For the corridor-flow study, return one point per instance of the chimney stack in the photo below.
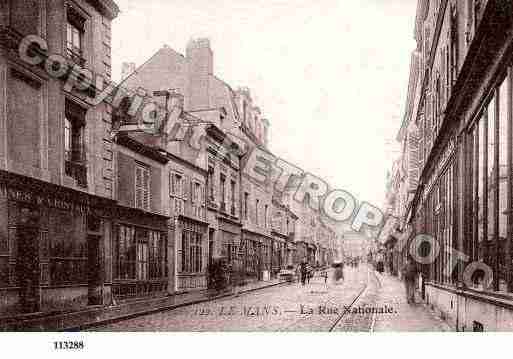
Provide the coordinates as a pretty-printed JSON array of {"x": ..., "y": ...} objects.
[{"x": 201, "y": 67}]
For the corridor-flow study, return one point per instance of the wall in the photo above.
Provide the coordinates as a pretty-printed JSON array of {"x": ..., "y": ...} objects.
[{"x": 494, "y": 313}]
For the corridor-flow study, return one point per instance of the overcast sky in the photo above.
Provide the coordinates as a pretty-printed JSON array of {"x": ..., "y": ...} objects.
[{"x": 330, "y": 75}]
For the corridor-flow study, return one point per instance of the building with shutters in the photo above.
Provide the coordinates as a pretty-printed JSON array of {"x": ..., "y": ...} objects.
[
  {"x": 462, "y": 112},
  {"x": 232, "y": 200},
  {"x": 141, "y": 255},
  {"x": 56, "y": 160}
]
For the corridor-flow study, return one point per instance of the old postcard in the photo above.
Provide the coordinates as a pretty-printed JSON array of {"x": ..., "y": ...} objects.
[{"x": 255, "y": 166}]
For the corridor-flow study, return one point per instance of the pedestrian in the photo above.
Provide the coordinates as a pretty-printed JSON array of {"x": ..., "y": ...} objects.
[
  {"x": 324, "y": 274},
  {"x": 309, "y": 273},
  {"x": 303, "y": 271},
  {"x": 410, "y": 274}
]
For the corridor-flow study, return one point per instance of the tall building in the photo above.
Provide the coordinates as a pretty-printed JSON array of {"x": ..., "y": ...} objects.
[
  {"x": 56, "y": 157},
  {"x": 461, "y": 109}
]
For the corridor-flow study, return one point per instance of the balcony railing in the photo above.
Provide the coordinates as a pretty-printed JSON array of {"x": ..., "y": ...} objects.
[
  {"x": 75, "y": 55},
  {"x": 211, "y": 202},
  {"x": 78, "y": 171}
]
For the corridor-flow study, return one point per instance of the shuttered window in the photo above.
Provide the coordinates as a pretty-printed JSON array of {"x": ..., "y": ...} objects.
[{"x": 142, "y": 187}]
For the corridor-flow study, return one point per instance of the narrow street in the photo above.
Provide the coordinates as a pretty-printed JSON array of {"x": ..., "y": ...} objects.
[{"x": 360, "y": 303}]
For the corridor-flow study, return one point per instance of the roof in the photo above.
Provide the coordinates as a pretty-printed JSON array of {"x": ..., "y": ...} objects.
[{"x": 144, "y": 150}]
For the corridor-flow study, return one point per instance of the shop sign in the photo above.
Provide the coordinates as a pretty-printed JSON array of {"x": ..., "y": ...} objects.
[{"x": 44, "y": 201}]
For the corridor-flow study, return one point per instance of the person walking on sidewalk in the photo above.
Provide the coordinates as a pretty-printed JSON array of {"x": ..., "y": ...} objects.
[
  {"x": 303, "y": 272},
  {"x": 324, "y": 274},
  {"x": 410, "y": 275}
]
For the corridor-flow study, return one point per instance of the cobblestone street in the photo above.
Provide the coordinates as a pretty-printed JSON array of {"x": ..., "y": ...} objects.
[{"x": 344, "y": 306}]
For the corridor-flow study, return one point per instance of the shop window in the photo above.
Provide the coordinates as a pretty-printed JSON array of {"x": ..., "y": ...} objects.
[
  {"x": 191, "y": 251},
  {"x": 482, "y": 197},
  {"x": 126, "y": 253},
  {"x": 492, "y": 178},
  {"x": 4, "y": 271},
  {"x": 141, "y": 254},
  {"x": 503, "y": 103},
  {"x": 68, "y": 249},
  {"x": 74, "y": 147},
  {"x": 142, "y": 187}
]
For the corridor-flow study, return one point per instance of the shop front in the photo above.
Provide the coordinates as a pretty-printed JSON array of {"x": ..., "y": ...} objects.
[
  {"x": 311, "y": 254},
  {"x": 257, "y": 255},
  {"x": 54, "y": 247},
  {"x": 140, "y": 267},
  {"x": 301, "y": 252},
  {"x": 230, "y": 232},
  {"x": 191, "y": 254},
  {"x": 278, "y": 254}
]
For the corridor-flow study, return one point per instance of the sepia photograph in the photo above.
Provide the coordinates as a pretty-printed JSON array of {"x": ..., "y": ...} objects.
[{"x": 236, "y": 166}]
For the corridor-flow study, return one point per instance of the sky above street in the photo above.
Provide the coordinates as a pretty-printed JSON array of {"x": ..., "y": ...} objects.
[{"x": 330, "y": 75}]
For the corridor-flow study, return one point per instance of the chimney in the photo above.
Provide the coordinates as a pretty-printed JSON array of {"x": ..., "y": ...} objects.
[
  {"x": 127, "y": 69},
  {"x": 200, "y": 60}
]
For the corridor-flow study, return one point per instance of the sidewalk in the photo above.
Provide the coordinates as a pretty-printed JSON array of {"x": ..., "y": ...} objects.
[
  {"x": 93, "y": 316},
  {"x": 406, "y": 317}
]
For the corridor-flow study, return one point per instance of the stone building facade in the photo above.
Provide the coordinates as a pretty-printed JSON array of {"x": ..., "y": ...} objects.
[
  {"x": 462, "y": 111},
  {"x": 56, "y": 163}
]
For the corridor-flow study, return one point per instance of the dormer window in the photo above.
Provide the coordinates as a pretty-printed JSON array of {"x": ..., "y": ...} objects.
[{"x": 75, "y": 29}]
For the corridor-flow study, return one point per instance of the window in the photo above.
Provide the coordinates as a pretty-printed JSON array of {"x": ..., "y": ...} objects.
[
  {"x": 222, "y": 190},
  {"x": 157, "y": 255},
  {"x": 210, "y": 183},
  {"x": 177, "y": 185},
  {"x": 454, "y": 45},
  {"x": 75, "y": 29},
  {"x": 232, "y": 186},
  {"x": 68, "y": 248},
  {"x": 257, "y": 203},
  {"x": 74, "y": 151},
  {"x": 141, "y": 254},
  {"x": 142, "y": 263},
  {"x": 191, "y": 251},
  {"x": 197, "y": 199},
  {"x": 142, "y": 187},
  {"x": 246, "y": 201},
  {"x": 177, "y": 193},
  {"x": 266, "y": 208}
]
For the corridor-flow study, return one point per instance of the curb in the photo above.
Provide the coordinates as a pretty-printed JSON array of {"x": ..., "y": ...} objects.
[{"x": 162, "y": 309}]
